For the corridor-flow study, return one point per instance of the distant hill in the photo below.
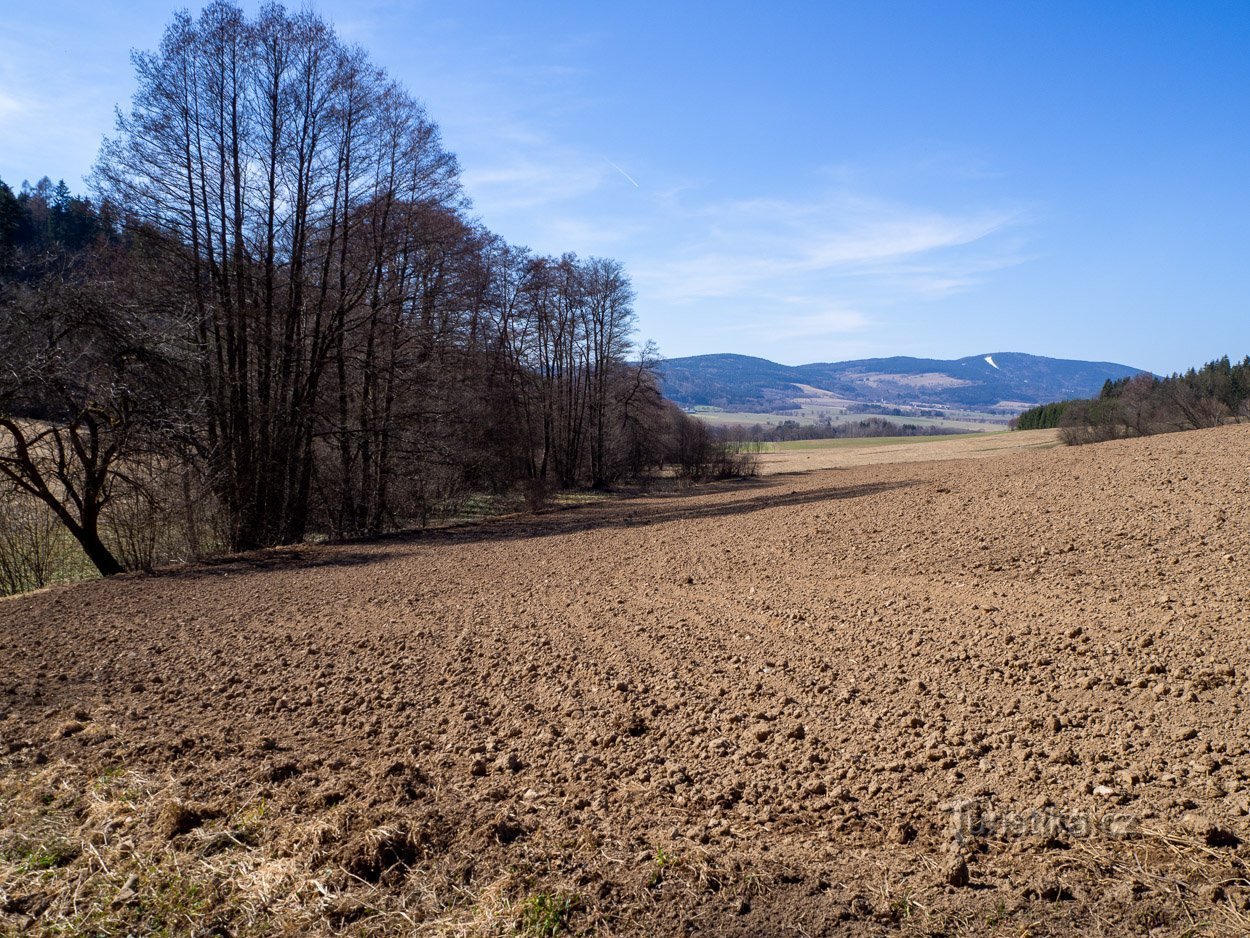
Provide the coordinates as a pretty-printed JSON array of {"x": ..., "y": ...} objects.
[{"x": 1008, "y": 380}]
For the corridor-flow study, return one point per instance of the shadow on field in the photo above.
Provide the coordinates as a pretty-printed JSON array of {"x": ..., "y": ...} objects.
[
  {"x": 629, "y": 511},
  {"x": 305, "y": 556},
  {"x": 641, "y": 511}
]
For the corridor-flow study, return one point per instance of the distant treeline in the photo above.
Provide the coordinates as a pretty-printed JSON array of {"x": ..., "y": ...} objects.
[
  {"x": 1144, "y": 404},
  {"x": 277, "y": 318},
  {"x": 1042, "y": 417},
  {"x": 824, "y": 429},
  {"x": 885, "y": 411}
]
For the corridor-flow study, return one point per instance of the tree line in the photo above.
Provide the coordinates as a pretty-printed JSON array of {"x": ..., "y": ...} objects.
[
  {"x": 824, "y": 429},
  {"x": 277, "y": 317},
  {"x": 1145, "y": 404},
  {"x": 1041, "y": 417}
]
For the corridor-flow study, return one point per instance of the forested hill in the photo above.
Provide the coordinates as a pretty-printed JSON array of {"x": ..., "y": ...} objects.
[{"x": 979, "y": 381}]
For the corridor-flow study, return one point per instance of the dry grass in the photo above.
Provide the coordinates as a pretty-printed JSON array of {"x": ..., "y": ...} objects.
[
  {"x": 1176, "y": 866},
  {"x": 121, "y": 854}
]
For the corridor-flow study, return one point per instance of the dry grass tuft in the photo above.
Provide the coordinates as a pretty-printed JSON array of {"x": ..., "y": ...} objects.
[{"x": 123, "y": 854}]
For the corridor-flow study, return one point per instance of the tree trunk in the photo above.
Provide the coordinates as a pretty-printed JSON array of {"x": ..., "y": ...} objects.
[{"x": 99, "y": 555}]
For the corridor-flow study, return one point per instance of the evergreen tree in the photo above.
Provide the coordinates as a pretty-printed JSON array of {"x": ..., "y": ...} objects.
[{"x": 12, "y": 224}]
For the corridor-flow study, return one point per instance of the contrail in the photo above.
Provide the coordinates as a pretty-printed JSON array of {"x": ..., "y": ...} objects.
[{"x": 621, "y": 171}]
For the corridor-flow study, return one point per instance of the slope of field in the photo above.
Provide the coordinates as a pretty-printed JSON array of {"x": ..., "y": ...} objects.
[{"x": 996, "y": 696}]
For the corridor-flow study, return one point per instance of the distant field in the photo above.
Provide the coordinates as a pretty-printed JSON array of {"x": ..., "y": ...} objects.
[
  {"x": 852, "y": 443},
  {"x": 805, "y": 455},
  {"x": 958, "y": 420}
]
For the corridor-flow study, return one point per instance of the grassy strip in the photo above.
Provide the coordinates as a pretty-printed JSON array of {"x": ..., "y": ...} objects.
[{"x": 869, "y": 441}]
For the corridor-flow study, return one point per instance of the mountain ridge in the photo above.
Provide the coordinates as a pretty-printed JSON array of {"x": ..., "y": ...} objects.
[{"x": 992, "y": 380}]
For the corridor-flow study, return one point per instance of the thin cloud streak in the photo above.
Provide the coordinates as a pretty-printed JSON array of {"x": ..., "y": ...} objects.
[
  {"x": 10, "y": 106},
  {"x": 843, "y": 242},
  {"x": 819, "y": 324},
  {"x": 530, "y": 181},
  {"x": 622, "y": 172}
]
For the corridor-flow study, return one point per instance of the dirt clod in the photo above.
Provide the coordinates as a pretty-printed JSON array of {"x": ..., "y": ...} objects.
[
  {"x": 956, "y": 873},
  {"x": 177, "y": 819}
]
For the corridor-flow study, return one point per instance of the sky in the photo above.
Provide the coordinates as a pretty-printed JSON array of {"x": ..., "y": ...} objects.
[{"x": 800, "y": 181}]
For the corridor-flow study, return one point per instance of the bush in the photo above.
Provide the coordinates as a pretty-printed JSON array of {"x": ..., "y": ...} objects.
[
  {"x": 32, "y": 543},
  {"x": 169, "y": 515},
  {"x": 700, "y": 456},
  {"x": 1093, "y": 421}
]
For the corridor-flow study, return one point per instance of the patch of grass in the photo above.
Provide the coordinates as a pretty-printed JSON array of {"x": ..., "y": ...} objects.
[
  {"x": 252, "y": 819},
  {"x": 664, "y": 861},
  {"x": 111, "y": 783},
  {"x": 902, "y": 907},
  {"x": 579, "y": 498},
  {"x": 42, "y": 856},
  {"x": 172, "y": 900},
  {"x": 117, "y": 783},
  {"x": 998, "y": 916},
  {"x": 480, "y": 507},
  {"x": 545, "y": 915},
  {"x": 109, "y": 776}
]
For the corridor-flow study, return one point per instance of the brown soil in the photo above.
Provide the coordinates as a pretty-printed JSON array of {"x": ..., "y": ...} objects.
[
  {"x": 748, "y": 709},
  {"x": 818, "y": 455}
]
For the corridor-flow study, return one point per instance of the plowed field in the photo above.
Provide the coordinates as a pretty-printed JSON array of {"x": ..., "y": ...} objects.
[{"x": 1003, "y": 695}]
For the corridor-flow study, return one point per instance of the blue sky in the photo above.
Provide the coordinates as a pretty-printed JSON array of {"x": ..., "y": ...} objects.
[{"x": 802, "y": 181}]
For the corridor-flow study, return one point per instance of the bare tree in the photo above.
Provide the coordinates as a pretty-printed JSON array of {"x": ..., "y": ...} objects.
[
  {"x": 608, "y": 333},
  {"x": 272, "y": 156},
  {"x": 88, "y": 386}
]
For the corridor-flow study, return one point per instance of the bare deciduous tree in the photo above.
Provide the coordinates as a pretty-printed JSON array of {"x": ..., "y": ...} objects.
[
  {"x": 277, "y": 161},
  {"x": 87, "y": 382}
]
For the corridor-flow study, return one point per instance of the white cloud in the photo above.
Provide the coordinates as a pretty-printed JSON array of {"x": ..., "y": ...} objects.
[
  {"x": 815, "y": 324},
  {"x": 829, "y": 247},
  {"x": 10, "y": 106},
  {"x": 539, "y": 178}
]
